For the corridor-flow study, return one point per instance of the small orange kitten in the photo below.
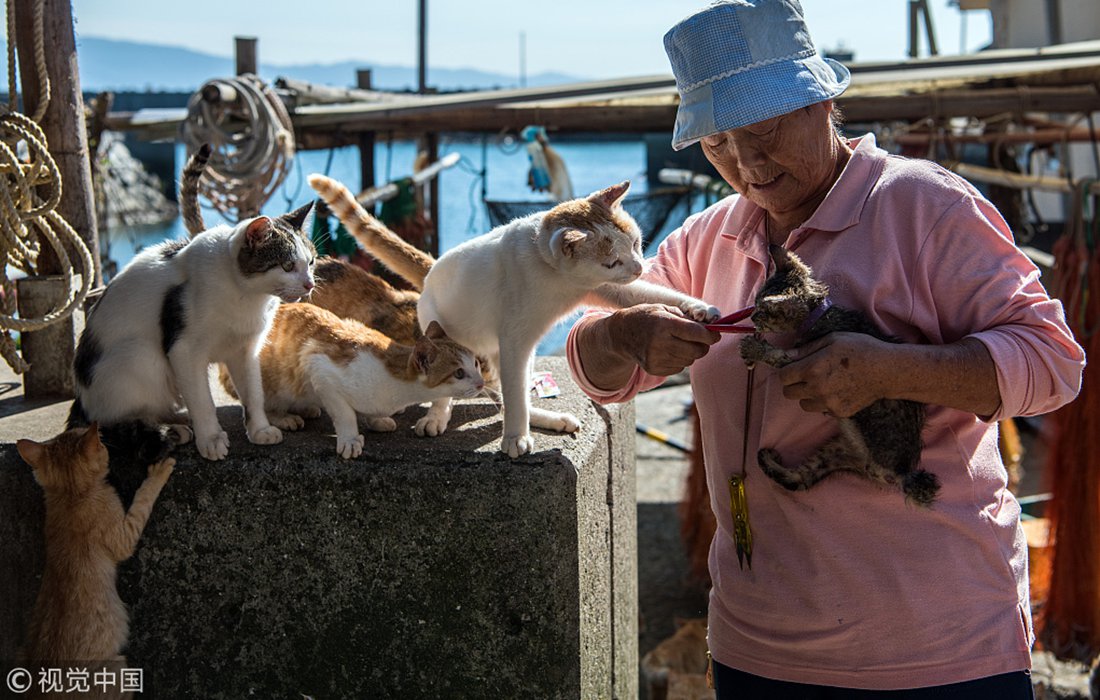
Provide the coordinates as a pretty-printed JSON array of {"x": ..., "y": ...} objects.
[
  {"x": 314, "y": 359},
  {"x": 78, "y": 615}
]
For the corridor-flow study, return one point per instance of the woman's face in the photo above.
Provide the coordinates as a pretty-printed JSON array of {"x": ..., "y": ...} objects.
[{"x": 785, "y": 164}]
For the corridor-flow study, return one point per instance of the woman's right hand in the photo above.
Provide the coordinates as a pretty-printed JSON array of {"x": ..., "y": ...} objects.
[{"x": 658, "y": 338}]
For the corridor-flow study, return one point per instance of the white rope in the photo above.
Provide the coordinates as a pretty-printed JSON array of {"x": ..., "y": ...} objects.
[
  {"x": 30, "y": 190},
  {"x": 252, "y": 142}
]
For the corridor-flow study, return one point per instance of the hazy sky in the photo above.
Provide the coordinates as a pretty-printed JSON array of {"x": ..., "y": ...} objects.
[{"x": 585, "y": 38}]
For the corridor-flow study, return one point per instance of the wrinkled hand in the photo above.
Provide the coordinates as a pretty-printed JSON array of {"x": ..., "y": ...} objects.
[
  {"x": 660, "y": 338},
  {"x": 840, "y": 374}
]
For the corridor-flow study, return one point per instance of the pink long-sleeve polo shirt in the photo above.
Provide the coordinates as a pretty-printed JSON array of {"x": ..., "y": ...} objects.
[{"x": 851, "y": 585}]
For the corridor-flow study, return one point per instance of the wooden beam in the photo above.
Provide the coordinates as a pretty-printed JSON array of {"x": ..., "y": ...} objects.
[{"x": 970, "y": 103}]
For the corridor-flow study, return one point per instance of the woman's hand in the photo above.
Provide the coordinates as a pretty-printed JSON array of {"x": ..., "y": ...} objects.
[
  {"x": 655, "y": 337},
  {"x": 839, "y": 374},
  {"x": 843, "y": 373}
]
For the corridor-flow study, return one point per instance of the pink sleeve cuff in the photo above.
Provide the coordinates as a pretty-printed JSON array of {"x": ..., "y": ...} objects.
[{"x": 639, "y": 381}]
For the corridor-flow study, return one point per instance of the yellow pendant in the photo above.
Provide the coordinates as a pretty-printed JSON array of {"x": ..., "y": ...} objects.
[{"x": 739, "y": 509}]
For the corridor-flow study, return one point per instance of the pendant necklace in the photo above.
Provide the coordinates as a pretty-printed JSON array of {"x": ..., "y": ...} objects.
[{"x": 739, "y": 504}]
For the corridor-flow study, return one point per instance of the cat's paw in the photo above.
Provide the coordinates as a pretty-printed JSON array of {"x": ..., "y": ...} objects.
[
  {"x": 516, "y": 445},
  {"x": 311, "y": 412},
  {"x": 213, "y": 447},
  {"x": 753, "y": 349},
  {"x": 266, "y": 436},
  {"x": 552, "y": 420},
  {"x": 430, "y": 426},
  {"x": 383, "y": 424},
  {"x": 160, "y": 470},
  {"x": 771, "y": 464},
  {"x": 181, "y": 433},
  {"x": 349, "y": 447},
  {"x": 700, "y": 311},
  {"x": 287, "y": 421}
]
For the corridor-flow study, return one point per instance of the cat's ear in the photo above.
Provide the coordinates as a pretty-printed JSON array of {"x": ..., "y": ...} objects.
[
  {"x": 301, "y": 219},
  {"x": 89, "y": 441},
  {"x": 424, "y": 352},
  {"x": 612, "y": 196},
  {"x": 32, "y": 452},
  {"x": 258, "y": 231},
  {"x": 780, "y": 256},
  {"x": 435, "y": 331},
  {"x": 568, "y": 240}
]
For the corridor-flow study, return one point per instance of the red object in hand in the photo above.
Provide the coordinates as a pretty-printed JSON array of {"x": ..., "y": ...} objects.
[{"x": 727, "y": 324}]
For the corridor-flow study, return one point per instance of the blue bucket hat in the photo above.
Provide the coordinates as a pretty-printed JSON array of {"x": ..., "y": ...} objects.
[{"x": 738, "y": 62}]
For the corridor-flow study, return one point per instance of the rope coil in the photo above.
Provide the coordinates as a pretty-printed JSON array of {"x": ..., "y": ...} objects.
[
  {"x": 252, "y": 140},
  {"x": 30, "y": 191}
]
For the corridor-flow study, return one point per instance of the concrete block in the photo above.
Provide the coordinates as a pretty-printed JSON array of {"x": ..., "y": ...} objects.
[{"x": 430, "y": 567}]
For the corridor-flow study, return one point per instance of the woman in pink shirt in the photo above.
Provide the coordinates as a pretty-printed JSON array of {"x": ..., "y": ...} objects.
[{"x": 850, "y": 592}]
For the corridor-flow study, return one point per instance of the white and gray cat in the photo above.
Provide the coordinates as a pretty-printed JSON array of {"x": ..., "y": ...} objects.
[
  {"x": 500, "y": 292},
  {"x": 180, "y": 306}
]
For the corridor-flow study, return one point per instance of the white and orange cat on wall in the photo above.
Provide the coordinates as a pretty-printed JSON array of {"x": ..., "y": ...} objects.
[
  {"x": 315, "y": 360},
  {"x": 500, "y": 292}
]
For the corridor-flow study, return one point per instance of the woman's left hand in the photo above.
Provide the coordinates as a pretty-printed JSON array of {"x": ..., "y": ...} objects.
[{"x": 839, "y": 374}]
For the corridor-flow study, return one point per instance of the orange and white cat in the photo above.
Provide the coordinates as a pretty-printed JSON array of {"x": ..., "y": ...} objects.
[
  {"x": 351, "y": 292},
  {"x": 314, "y": 359},
  {"x": 500, "y": 292},
  {"x": 78, "y": 615}
]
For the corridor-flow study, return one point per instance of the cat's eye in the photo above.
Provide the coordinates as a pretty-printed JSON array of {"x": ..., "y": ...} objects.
[
  {"x": 613, "y": 264},
  {"x": 311, "y": 261},
  {"x": 460, "y": 373},
  {"x": 288, "y": 266}
]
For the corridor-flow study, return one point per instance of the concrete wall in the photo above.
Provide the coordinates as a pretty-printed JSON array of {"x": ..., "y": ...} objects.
[{"x": 427, "y": 568}]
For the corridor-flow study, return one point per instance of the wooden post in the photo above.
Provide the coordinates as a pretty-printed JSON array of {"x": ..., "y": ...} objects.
[
  {"x": 246, "y": 55},
  {"x": 431, "y": 140},
  {"x": 63, "y": 126},
  {"x": 366, "y": 138}
]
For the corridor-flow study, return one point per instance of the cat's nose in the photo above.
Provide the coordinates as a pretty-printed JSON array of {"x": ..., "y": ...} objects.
[{"x": 308, "y": 286}]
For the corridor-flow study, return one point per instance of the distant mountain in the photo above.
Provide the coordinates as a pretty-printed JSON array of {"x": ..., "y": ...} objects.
[{"x": 107, "y": 64}]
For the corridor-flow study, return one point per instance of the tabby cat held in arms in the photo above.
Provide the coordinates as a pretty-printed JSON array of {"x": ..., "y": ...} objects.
[
  {"x": 881, "y": 442},
  {"x": 500, "y": 292},
  {"x": 78, "y": 615}
]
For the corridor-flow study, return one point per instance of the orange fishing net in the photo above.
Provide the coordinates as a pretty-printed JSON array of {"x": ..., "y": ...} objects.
[{"x": 1070, "y": 619}]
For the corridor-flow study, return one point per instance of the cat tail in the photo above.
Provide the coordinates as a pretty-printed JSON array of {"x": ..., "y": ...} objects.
[
  {"x": 400, "y": 256},
  {"x": 922, "y": 486},
  {"x": 146, "y": 443},
  {"x": 189, "y": 190}
]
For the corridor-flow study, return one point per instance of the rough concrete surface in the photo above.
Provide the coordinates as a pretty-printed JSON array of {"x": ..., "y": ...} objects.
[{"x": 426, "y": 568}]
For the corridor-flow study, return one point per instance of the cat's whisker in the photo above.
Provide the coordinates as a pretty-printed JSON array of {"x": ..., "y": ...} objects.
[{"x": 494, "y": 396}]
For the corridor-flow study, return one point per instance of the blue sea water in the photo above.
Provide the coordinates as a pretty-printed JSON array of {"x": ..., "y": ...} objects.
[{"x": 592, "y": 165}]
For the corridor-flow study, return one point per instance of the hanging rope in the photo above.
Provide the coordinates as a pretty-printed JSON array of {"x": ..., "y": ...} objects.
[
  {"x": 249, "y": 130},
  {"x": 30, "y": 190}
]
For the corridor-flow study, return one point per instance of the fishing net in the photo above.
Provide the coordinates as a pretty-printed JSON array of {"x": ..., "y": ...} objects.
[
  {"x": 651, "y": 209},
  {"x": 1070, "y": 619}
]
